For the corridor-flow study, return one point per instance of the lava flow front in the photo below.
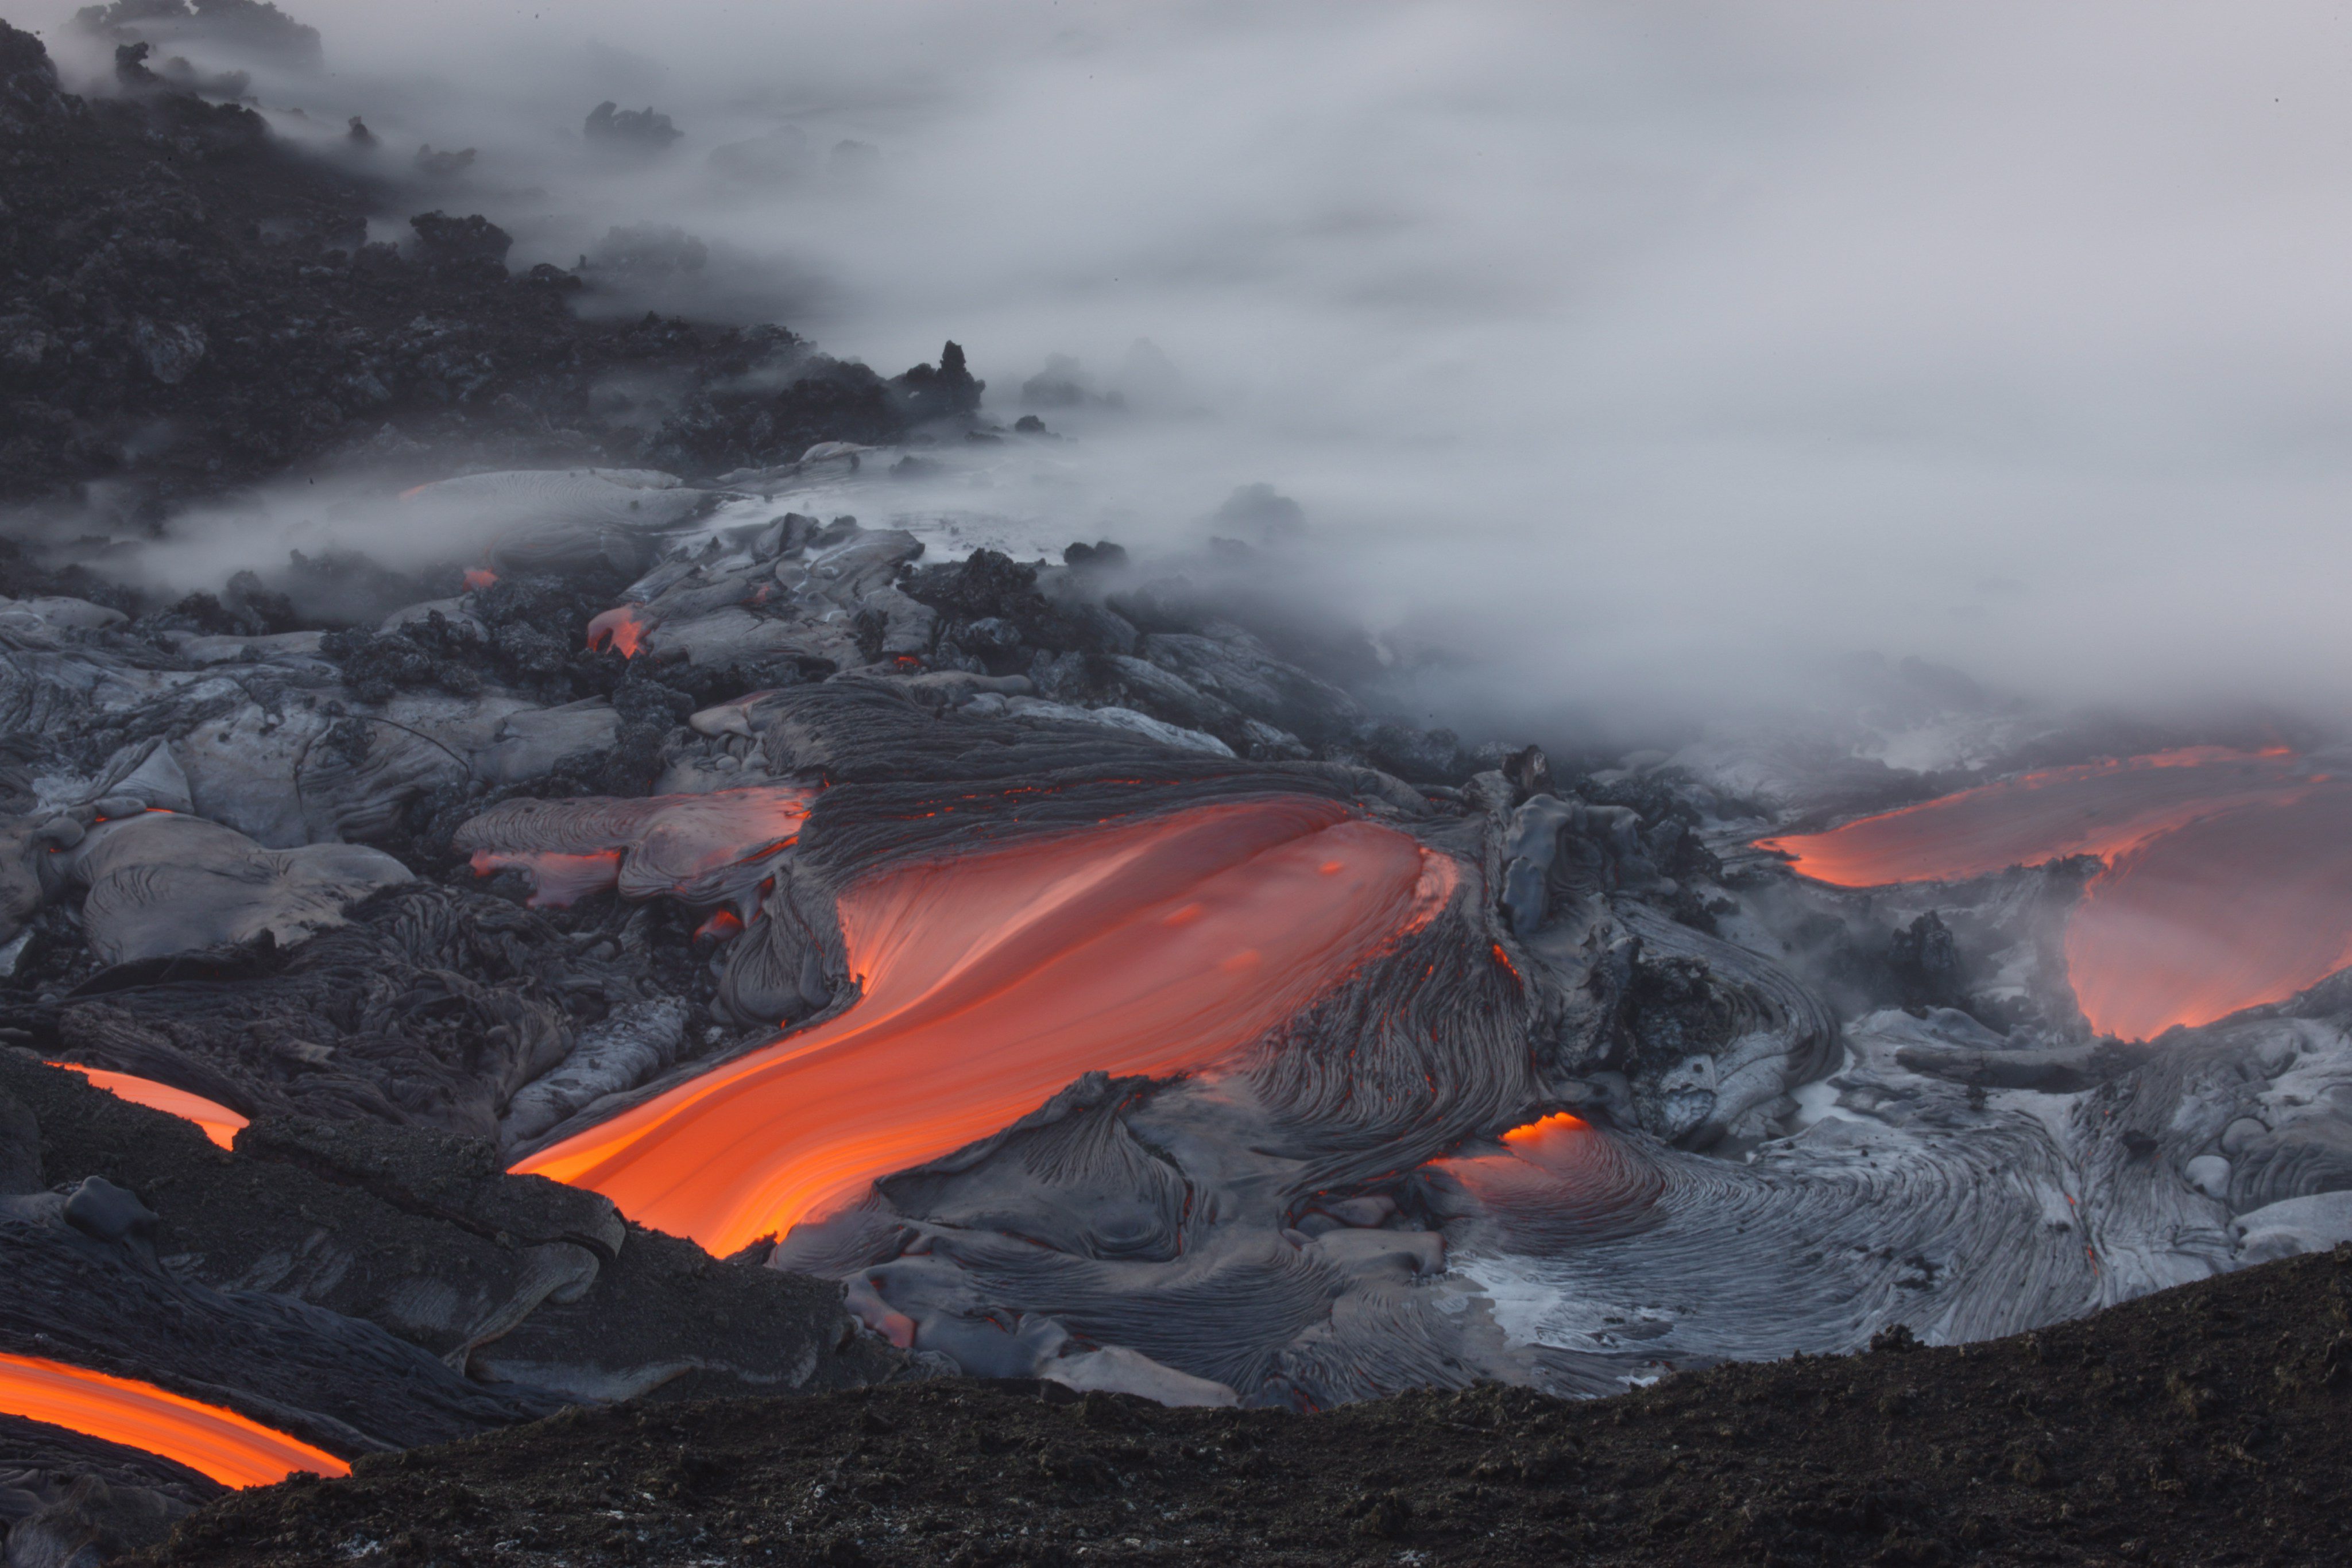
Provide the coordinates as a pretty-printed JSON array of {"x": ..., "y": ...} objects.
[
  {"x": 219, "y": 1122},
  {"x": 219, "y": 1443},
  {"x": 2228, "y": 882},
  {"x": 994, "y": 978}
]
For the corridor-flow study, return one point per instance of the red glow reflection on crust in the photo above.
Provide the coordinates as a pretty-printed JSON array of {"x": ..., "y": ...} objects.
[
  {"x": 222, "y": 1444},
  {"x": 2228, "y": 883},
  {"x": 684, "y": 845},
  {"x": 1538, "y": 1159},
  {"x": 219, "y": 1122},
  {"x": 481, "y": 576},
  {"x": 557, "y": 881},
  {"x": 620, "y": 629},
  {"x": 992, "y": 979},
  {"x": 723, "y": 925}
]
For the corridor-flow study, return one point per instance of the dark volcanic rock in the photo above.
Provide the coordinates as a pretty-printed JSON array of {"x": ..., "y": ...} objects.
[
  {"x": 187, "y": 304},
  {"x": 252, "y": 27},
  {"x": 2202, "y": 1425},
  {"x": 639, "y": 129}
]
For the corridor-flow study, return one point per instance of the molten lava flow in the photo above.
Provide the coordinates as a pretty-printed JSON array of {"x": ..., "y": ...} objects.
[
  {"x": 220, "y": 1123},
  {"x": 2100, "y": 809},
  {"x": 1547, "y": 1134},
  {"x": 621, "y": 629},
  {"x": 992, "y": 979},
  {"x": 219, "y": 1443},
  {"x": 480, "y": 576},
  {"x": 2228, "y": 883},
  {"x": 2242, "y": 907}
]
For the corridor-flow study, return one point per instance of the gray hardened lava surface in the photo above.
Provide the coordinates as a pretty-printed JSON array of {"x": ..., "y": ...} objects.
[{"x": 2204, "y": 1425}]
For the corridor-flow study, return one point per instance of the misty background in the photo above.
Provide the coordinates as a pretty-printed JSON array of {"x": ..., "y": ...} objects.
[{"x": 1645, "y": 358}]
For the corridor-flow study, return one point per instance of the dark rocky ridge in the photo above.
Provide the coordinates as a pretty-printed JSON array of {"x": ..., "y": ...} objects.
[
  {"x": 187, "y": 303},
  {"x": 2205, "y": 1425}
]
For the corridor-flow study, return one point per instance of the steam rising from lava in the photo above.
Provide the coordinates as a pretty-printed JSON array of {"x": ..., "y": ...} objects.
[
  {"x": 1676, "y": 348},
  {"x": 2228, "y": 883},
  {"x": 992, "y": 979},
  {"x": 222, "y": 1444}
]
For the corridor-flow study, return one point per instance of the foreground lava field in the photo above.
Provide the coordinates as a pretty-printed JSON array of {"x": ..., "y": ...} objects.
[{"x": 2204, "y": 1425}]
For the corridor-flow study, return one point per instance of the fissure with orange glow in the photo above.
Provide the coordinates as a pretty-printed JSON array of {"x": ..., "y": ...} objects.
[
  {"x": 219, "y": 1122},
  {"x": 231, "y": 1448},
  {"x": 2228, "y": 880},
  {"x": 994, "y": 978}
]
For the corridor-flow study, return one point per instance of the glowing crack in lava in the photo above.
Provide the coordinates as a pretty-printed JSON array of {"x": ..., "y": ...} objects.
[
  {"x": 995, "y": 978},
  {"x": 219, "y": 1443},
  {"x": 2228, "y": 880},
  {"x": 622, "y": 629},
  {"x": 219, "y": 1122}
]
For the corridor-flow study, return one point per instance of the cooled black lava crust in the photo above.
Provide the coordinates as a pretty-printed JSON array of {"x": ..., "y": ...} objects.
[{"x": 2204, "y": 1425}]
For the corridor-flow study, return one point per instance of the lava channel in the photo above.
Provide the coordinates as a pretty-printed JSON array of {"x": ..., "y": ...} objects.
[
  {"x": 219, "y": 1122},
  {"x": 222, "y": 1444},
  {"x": 994, "y": 978},
  {"x": 2228, "y": 880}
]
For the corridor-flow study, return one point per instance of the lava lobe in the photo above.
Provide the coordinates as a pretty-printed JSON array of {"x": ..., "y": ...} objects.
[
  {"x": 994, "y": 978},
  {"x": 2227, "y": 882}
]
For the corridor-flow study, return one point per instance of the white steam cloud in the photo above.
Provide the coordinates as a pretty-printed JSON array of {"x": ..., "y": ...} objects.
[{"x": 1649, "y": 354}]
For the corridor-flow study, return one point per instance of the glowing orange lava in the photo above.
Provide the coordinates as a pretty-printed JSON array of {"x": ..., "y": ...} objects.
[
  {"x": 220, "y": 1123},
  {"x": 995, "y": 978},
  {"x": 620, "y": 629},
  {"x": 480, "y": 576},
  {"x": 222, "y": 1444},
  {"x": 719, "y": 927},
  {"x": 1546, "y": 1133},
  {"x": 2228, "y": 883}
]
